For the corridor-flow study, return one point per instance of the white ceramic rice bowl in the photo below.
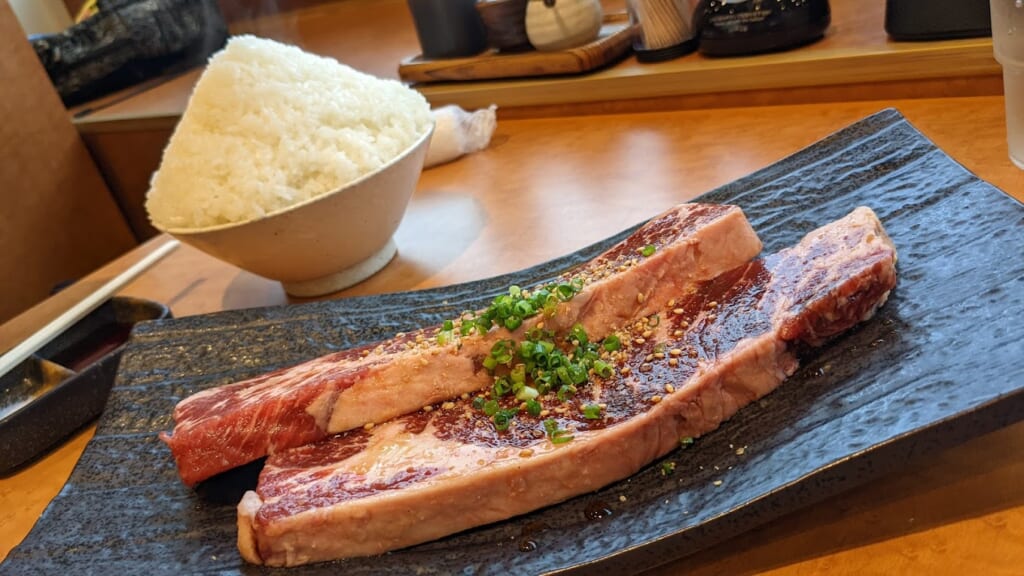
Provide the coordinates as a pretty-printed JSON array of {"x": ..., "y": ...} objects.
[{"x": 327, "y": 243}]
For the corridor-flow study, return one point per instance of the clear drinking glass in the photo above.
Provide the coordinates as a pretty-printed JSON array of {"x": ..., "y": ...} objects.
[{"x": 1008, "y": 44}]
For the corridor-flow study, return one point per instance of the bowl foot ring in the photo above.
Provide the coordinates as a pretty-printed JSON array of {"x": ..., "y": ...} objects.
[{"x": 345, "y": 278}]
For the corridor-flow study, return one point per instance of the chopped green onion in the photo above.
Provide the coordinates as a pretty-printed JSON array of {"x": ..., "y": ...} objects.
[
  {"x": 612, "y": 343},
  {"x": 591, "y": 411},
  {"x": 447, "y": 326},
  {"x": 502, "y": 419},
  {"x": 527, "y": 393},
  {"x": 602, "y": 369},
  {"x": 687, "y": 441},
  {"x": 478, "y": 403},
  {"x": 647, "y": 250},
  {"x": 561, "y": 437},
  {"x": 550, "y": 425},
  {"x": 578, "y": 334},
  {"x": 501, "y": 387},
  {"x": 533, "y": 407},
  {"x": 668, "y": 468},
  {"x": 523, "y": 309},
  {"x": 577, "y": 373},
  {"x": 518, "y": 374},
  {"x": 565, "y": 291},
  {"x": 566, "y": 392},
  {"x": 490, "y": 407},
  {"x": 555, "y": 434}
]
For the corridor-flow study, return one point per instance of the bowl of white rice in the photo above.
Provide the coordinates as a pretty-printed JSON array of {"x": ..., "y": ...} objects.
[{"x": 292, "y": 166}]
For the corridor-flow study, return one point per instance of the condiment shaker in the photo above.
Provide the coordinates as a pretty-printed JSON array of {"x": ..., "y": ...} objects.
[{"x": 666, "y": 28}]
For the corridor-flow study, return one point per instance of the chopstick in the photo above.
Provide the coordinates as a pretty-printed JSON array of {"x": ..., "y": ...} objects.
[{"x": 43, "y": 336}]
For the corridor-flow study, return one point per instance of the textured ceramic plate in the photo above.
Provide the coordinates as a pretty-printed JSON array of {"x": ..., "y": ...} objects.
[{"x": 939, "y": 364}]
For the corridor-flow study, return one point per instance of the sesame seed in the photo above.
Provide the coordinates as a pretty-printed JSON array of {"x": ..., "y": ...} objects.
[
  {"x": 672, "y": 303},
  {"x": 526, "y": 453},
  {"x": 368, "y": 426},
  {"x": 639, "y": 341},
  {"x": 640, "y": 297},
  {"x": 673, "y": 362},
  {"x": 428, "y": 408},
  {"x": 678, "y": 311},
  {"x": 650, "y": 357},
  {"x": 545, "y": 413},
  {"x": 717, "y": 482},
  {"x": 625, "y": 370},
  {"x": 670, "y": 388},
  {"x": 448, "y": 405},
  {"x": 684, "y": 324},
  {"x": 659, "y": 355},
  {"x": 364, "y": 353},
  {"x": 465, "y": 396},
  {"x": 400, "y": 335},
  {"x": 675, "y": 352},
  {"x": 712, "y": 304},
  {"x": 647, "y": 334},
  {"x": 655, "y": 399},
  {"x": 622, "y": 498},
  {"x": 741, "y": 450},
  {"x": 677, "y": 333},
  {"x": 645, "y": 367}
]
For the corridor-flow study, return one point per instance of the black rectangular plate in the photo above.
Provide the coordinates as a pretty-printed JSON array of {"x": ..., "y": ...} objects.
[{"x": 940, "y": 363}]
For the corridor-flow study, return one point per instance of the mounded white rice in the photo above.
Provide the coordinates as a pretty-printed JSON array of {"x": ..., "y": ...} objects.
[{"x": 269, "y": 126}]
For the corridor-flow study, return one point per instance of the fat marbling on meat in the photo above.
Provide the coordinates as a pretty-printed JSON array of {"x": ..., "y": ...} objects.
[
  {"x": 694, "y": 358},
  {"x": 227, "y": 426}
]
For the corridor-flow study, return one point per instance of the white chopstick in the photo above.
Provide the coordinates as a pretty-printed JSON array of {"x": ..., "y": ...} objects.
[{"x": 80, "y": 310}]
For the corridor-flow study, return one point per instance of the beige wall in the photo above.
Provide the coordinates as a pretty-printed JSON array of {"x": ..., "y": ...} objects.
[{"x": 58, "y": 220}]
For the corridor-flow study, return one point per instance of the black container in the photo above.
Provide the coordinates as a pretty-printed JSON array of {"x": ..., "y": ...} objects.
[
  {"x": 740, "y": 27},
  {"x": 448, "y": 28},
  {"x": 65, "y": 384},
  {"x": 937, "y": 19}
]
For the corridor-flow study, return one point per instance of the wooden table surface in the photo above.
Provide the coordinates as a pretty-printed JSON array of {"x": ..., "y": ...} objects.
[{"x": 547, "y": 187}]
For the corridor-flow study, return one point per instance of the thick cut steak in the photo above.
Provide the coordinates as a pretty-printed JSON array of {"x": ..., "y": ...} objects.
[
  {"x": 701, "y": 354},
  {"x": 224, "y": 427}
]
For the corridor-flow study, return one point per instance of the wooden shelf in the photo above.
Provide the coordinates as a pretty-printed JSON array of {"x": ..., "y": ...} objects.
[{"x": 376, "y": 35}]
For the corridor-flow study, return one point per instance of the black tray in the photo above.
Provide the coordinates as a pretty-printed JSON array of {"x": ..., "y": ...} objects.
[
  {"x": 65, "y": 384},
  {"x": 939, "y": 364}
]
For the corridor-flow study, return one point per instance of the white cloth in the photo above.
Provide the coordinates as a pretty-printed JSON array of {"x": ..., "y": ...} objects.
[{"x": 458, "y": 132}]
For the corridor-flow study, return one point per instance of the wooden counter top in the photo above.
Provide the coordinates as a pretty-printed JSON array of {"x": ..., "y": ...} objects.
[
  {"x": 558, "y": 184},
  {"x": 855, "y": 60}
]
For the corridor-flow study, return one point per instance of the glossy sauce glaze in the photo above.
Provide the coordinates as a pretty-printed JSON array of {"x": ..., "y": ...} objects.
[{"x": 817, "y": 287}]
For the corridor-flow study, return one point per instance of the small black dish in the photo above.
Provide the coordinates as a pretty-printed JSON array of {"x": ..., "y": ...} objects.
[{"x": 65, "y": 384}]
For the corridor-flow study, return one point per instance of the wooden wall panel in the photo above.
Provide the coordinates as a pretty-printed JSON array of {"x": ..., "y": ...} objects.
[
  {"x": 127, "y": 160},
  {"x": 58, "y": 220}
]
